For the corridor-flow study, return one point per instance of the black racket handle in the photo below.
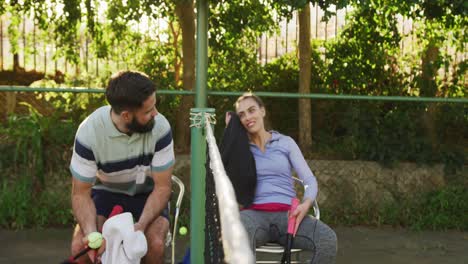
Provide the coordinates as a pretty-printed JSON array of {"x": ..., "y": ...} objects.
[
  {"x": 286, "y": 259},
  {"x": 72, "y": 260}
]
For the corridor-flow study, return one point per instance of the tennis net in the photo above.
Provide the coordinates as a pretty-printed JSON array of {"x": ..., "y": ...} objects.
[{"x": 226, "y": 240}]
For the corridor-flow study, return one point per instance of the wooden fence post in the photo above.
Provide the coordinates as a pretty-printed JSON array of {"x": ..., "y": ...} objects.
[{"x": 1, "y": 43}]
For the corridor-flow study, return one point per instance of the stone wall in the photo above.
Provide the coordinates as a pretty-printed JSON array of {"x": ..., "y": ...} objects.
[
  {"x": 361, "y": 184},
  {"x": 367, "y": 184}
]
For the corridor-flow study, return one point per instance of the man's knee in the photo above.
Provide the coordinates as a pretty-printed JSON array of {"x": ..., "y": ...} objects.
[
  {"x": 156, "y": 246},
  {"x": 156, "y": 236}
]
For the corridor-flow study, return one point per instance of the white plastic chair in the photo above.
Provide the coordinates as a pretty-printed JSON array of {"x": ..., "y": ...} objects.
[{"x": 277, "y": 249}]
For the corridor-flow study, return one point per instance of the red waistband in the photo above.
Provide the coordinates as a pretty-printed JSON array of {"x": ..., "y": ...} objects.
[{"x": 270, "y": 207}]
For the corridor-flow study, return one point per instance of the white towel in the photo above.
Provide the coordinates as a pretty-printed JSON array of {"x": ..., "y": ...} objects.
[{"x": 123, "y": 244}]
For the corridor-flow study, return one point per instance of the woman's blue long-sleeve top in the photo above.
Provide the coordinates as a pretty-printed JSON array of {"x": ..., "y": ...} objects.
[{"x": 274, "y": 171}]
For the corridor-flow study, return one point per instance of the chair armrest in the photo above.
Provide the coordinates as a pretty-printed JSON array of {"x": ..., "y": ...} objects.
[{"x": 315, "y": 205}]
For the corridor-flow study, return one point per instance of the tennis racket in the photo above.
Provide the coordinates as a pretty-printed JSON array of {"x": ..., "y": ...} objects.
[{"x": 286, "y": 259}]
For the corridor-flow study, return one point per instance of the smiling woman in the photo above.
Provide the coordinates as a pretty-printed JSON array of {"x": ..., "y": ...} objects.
[{"x": 276, "y": 156}]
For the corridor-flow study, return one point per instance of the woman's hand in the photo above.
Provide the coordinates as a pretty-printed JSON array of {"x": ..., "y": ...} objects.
[
  {"x": 227, "y": 118},
  {"x": 301, "y": 211}
]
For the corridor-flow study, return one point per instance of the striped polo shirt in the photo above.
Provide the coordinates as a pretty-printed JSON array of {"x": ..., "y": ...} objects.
[{"x": 117, "y": 162}]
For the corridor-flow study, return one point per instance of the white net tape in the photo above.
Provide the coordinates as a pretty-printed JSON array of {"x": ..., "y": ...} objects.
[{"x": 235, "y": 239}]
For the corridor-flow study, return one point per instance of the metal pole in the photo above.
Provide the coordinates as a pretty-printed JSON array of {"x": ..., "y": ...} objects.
[
  {"x": 8, "y": 88},
  {"x": 198, "y": 144}
]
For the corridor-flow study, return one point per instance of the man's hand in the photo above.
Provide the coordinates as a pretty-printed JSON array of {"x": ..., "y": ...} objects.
[
  {"x": 157, "y": 200},
  {"x": 139, "y": 226},
  {"x": 95, "y": 254}
]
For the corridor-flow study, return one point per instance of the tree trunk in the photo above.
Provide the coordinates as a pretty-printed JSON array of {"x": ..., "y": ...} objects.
[
  {"x": 186, "y": 15},
  {"x": 429, "y": 89},
  {"x": 10, "y": 104},
  {"x": 305, "y": 119},
  {"x": 429, "y": 70},
  {"x": 16, "y": 65}
]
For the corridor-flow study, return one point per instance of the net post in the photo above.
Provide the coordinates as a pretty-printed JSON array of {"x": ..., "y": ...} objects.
[{"x": 197, "y": 183}]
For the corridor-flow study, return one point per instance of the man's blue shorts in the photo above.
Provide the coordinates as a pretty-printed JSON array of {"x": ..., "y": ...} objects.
[{"x": 105, "y": 201}]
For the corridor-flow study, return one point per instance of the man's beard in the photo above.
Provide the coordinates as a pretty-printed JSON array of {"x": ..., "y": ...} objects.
[{"x": 136, "y": 127}]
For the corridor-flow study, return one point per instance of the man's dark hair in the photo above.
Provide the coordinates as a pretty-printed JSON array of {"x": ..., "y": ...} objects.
[{"x": 127, "y": 90}]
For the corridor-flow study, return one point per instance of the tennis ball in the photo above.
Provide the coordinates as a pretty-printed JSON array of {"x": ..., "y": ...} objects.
[
  {"x": 183, "y": 230},
  {"x": 94, "y": 240}
]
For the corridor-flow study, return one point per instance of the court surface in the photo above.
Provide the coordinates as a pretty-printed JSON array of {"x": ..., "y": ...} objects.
[{"x": 361, "y": 245}]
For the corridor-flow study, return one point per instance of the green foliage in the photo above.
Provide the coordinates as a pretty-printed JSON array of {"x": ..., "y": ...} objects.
[
  {"x": 157, "y": 62},
  {"x": 33, "y": 159},
  {"x": 390, "y": 132},
  {"x": 25, "y": 133},
  {"x": 73, "y": 107},
  {"x": 286, "y": 7},
  {"x": 442, "y": 209},
  {"x": 239, "y": 75},
  {"x": 235, "y": 20},
  {"x": 452, "y": 128},
  {"x": 67, "y": 30},
  {"x": 281, "y": 75},
  {"x": 29, "y": 140},
  {"x": 16, "y": 200},
  {"x": 224, "y": 74},
  {"x": 13, "y": 32},
  {"x": 3, "y": 7},
  {"x": 20, "y": 208},
  {"x": 363, "y": 59}
]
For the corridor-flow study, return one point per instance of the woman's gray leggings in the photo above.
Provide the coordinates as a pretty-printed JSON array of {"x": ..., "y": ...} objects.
[{"x": 312, "y": 235}]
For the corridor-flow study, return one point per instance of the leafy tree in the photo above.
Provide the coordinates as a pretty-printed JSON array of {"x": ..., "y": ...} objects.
[
  {"x": 67, "y": 18},
  {"x": 363, "y": 58},
  {"x": 14, "y": 33},
  {"x": 183, "y": 12},
  {"x": 437, "y": 19},
  {"x": 286, "y": 7}
]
